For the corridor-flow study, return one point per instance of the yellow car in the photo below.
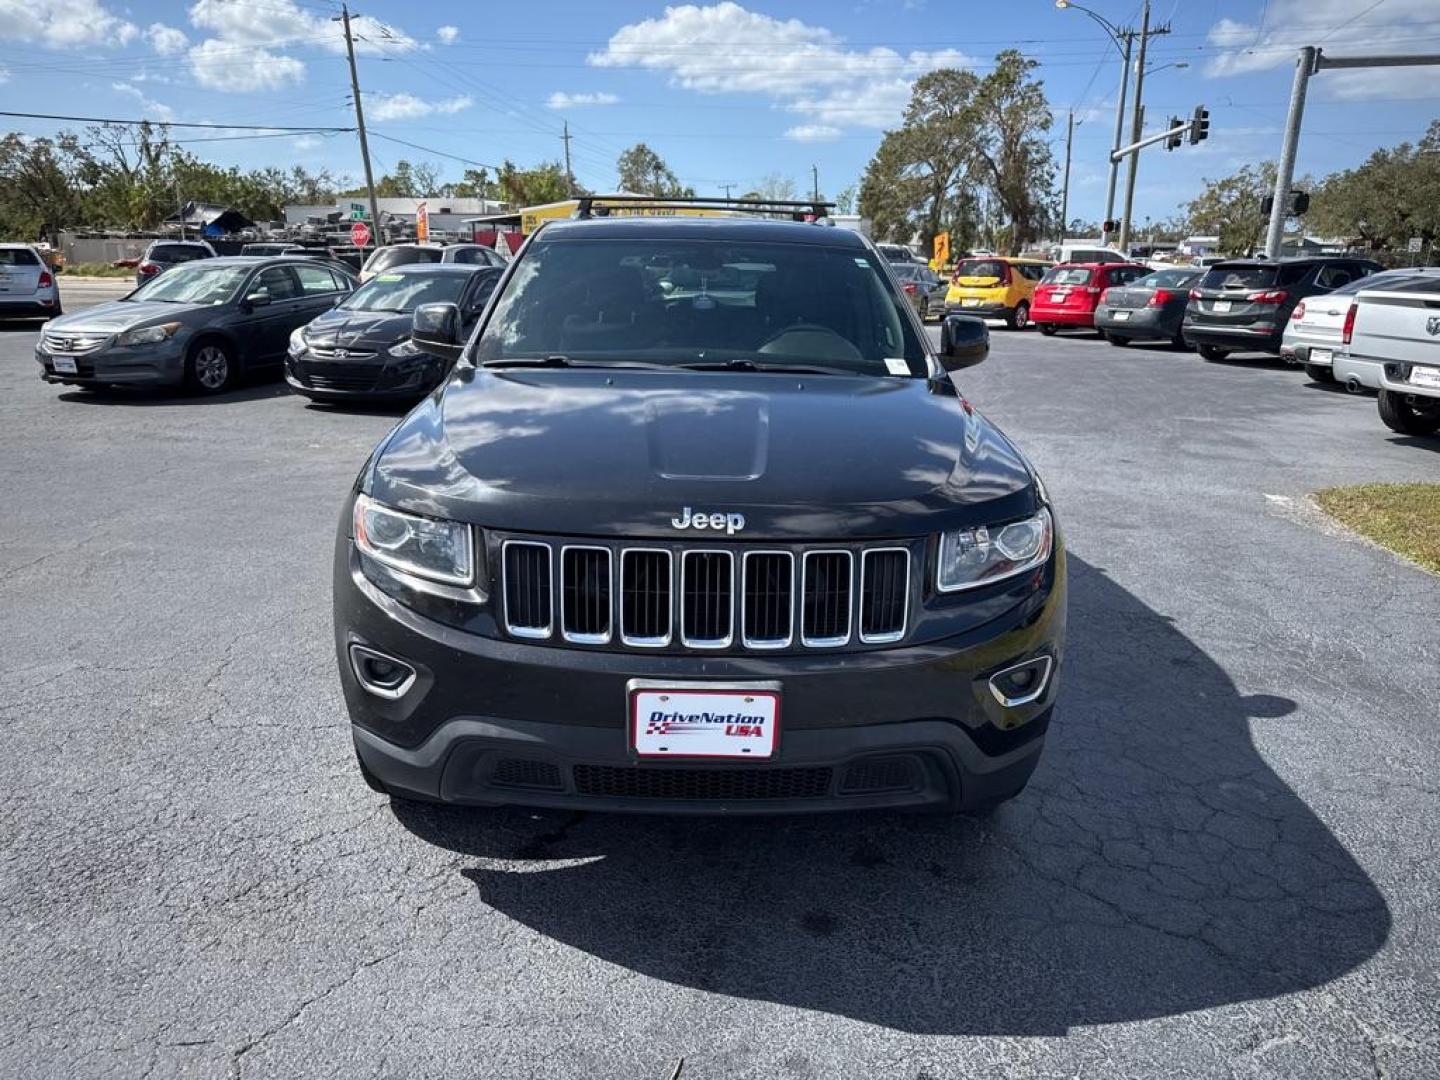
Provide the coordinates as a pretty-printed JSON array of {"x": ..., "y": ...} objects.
[{"x": 995, "y": 287}]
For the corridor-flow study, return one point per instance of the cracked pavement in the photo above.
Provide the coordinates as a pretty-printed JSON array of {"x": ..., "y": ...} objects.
[{"x": 1226, "y": 865}]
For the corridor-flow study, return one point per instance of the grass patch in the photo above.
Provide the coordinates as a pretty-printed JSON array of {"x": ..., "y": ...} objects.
[
  {"x": 96, "y": 270},
  {"x": 1402, "y": 517}
]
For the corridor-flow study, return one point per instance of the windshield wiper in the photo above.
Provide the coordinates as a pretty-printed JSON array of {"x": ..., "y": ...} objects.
[{"x": 751, "y": 365}]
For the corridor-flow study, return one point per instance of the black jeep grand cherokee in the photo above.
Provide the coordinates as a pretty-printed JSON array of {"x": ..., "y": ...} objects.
[{"x": 699, "y": 523}]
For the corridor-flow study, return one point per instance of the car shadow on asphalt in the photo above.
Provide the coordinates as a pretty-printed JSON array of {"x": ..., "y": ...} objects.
[
  {"x": 158, "y": 397},
  {"x": 1155, "y": 865}
]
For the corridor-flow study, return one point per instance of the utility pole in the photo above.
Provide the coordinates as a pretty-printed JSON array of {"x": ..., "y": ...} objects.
[
  {"x": 1310, "y": 62},
  {"x": 1129, "y": 37},
  {"x": 569, "y": 176},
  {"x": 180, "y": 204},
  {"x": 360, "y": 124},
  {"x": 1137, "y": 120},
  {"x": 815, "y": 182},
  {"x": 1065, "y": 188},
  {"x": 727, "y": 188}
]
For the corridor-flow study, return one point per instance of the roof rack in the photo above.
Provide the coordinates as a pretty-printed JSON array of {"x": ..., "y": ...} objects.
[{"x": 798, "y": 210}]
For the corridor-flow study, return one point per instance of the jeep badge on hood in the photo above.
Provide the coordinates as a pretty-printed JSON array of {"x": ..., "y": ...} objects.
[{"x": 731, "y": 523}]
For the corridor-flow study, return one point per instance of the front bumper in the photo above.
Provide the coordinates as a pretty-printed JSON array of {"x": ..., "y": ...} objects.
[
  {"x": 161, "y": 364},
  {"x": 373, "y": 378},
  {"x": 491, "y": 721},
  {"x": 983, "y": 310}
]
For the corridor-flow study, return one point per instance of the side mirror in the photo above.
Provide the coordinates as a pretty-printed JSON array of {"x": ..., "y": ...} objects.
[
  {"x": 435, "y": 328},
  {"x": 257, "y": 299},
  {"x": 964, "y": 342}
]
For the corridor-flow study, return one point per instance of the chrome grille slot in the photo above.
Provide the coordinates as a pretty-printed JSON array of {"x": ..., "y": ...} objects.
[
  {"x": 645, "y": 575},
  {"x": 884, "y": 594},
  {"x": 585, "y": 594},
  {"x": 529, "y": 602},
  {"x": 73, "y": 344},
  {"x": 825, "y": 598},
  {"x": 768, "y": 597},
  {"x": 706, "y": 600}
]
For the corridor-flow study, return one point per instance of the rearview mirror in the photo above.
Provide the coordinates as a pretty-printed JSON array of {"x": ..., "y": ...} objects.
[
  {"x": 964, "y": 342},
  {"x": 435, "y": 328}
]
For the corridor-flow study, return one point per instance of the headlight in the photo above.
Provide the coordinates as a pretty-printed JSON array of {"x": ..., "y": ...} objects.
[
  {"x": 297, "y": 340},
  {"x": 425, "y": 547},
  {"x": 977, "y": 557},
  {"x": 404, "y": 350},
  {"x": 148, "y": 335}
]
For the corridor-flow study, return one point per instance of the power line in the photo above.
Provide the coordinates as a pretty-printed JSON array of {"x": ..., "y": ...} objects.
[
  {"x": 310, "y": 130},
  {"x": 437, "y": 153}
]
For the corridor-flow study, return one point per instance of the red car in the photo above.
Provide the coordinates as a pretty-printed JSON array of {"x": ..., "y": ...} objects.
[{"x": 1068, "y": 294}]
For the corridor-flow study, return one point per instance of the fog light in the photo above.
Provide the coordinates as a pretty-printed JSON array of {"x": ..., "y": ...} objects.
[
  {"x": 1022, "y": 683},
  {"x": 384, "y": 676}
]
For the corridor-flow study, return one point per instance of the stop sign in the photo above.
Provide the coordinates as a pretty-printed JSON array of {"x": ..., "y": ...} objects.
[{"x": 359, "y": 234}]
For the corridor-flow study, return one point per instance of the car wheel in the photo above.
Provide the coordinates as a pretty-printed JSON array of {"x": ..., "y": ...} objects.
[
  {"x": 924, "y": 309},
  {"x": 1116, "y": 339},
  {"x": 1048, "y": 329},
  {"x": 210, "y": 367},
  {"x": 1020, "y": 318},
  {"x": 1319, "y": 373},
  {"x": 1179, "y": 342},
  {"x": 1408, "y": 417},
  {"x": 1213, "y": 352}
]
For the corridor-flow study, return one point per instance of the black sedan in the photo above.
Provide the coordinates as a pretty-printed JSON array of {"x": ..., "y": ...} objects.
[
  {"x": 362, "y": 349},
  {"x": 1150, "y": 308}
]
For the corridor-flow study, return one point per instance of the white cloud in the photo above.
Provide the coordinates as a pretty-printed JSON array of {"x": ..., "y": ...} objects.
[
  {"x": 813, "y": 133},
  {"x": 244, "y": 51},
  {"x": 166, "y": 40},
  {"x": 307, "y": 142},
  {"x": 724, "y": 48},
  {"x": 1391, "y": 27},
  {"x": 561, "y": 100},
  {"x": 226, "y": 65},
  {"x": 4, "y": 76},
  {"x": 408, "y": 106},
  {"x": 64, "y": 24},
  {"x": 153, "y": 110},
  {"x": 448, "y": 35}
]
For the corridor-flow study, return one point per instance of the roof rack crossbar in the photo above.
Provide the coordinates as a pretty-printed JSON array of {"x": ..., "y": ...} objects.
[{"x": 797, "y": 208}]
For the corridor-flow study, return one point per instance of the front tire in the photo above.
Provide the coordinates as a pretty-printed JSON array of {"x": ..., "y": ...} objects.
[
  {"x": 1048, "y": 329},
  {"x": 1019, "y": 318},
  {"x": 210, "y": 367},
  {"x": 1407, "y": 418},
  {"x": 1213, "y": 352},
  {"x": 1319, "y": 373}
]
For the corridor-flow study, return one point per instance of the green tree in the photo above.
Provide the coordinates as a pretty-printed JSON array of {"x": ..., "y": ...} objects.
[
  {"x": 1013, "y": 152},
  {"x": 1392, "y": 196},
  {"x": 545, "y": 183},
  {"x": 846, "y": 201},
  {"x": 644, "y": 172},
  {"x": 1230, "y": 208}
]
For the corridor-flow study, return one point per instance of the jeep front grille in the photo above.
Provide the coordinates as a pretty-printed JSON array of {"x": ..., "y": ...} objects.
[{"x": 678, "y": 597}]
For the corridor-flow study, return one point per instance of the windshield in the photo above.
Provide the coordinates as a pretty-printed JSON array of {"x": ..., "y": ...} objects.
[
  {"x": 406, "y": 292},
  {"x": 177, "y": 253},
  {"x": 386, "y": 258},
  {"x": 1067, "y": 275},
  {"x": 1167, "y": 279},
  {"x": 198, "y": 284},
  {"x": 703, "y": 302},
  {"x": 992, "y": 268}
]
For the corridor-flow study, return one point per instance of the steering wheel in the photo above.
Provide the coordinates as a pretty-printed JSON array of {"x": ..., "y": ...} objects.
[{"x": 813, "y": 342}]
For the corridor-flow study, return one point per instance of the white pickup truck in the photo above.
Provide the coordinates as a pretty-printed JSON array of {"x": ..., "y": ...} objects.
[{"x": 1397, "y": 327}]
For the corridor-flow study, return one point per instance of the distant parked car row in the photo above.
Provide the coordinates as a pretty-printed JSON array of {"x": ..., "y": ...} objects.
[{"x": 206, "y": 324}]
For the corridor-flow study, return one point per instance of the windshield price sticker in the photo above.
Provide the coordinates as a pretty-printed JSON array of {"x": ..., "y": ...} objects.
[
  {"x": 704, "y": 723},
  {"x": 896, "y": 366}
]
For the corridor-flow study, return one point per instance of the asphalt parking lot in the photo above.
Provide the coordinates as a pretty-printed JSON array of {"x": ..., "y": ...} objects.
[{"x": 1226, "y": 865}]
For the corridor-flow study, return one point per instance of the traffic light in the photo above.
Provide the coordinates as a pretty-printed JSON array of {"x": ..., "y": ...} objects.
[
  {"x": 1299, "y": 202},
  {"x": 1267, "y": 204},
  {"x": 1199, "y": 125},
  {"x": 1110, "y": 226},
  {"x": 1173, "y": 141}
]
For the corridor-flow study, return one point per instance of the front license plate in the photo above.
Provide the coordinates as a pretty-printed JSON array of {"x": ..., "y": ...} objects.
[
  {"x": 1220, "y": 306},
  {"x": 969, "y": 301},
  {"x": 65, "y": 364},
  {"x": 699, "y": 721},
  {"x": 1320, "y": 356},
  {"x": 1121, "y": 316},
  {"x": 1425, "y": 376}
]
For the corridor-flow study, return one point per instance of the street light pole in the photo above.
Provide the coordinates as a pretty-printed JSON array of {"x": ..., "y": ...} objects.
[
  {"x": 1065, "y": 188},
  {"x": 1119, "y": 133},
  {"x": 1137, "y": 119}
]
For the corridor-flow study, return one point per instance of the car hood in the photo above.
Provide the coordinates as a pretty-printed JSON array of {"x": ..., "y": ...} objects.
[
  {"x": 617, "y": 453},
  {"x": 342, "y": 328},
  {"x": 120, "y": 315}
]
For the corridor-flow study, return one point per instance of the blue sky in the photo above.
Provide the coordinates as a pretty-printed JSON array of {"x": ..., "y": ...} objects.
[{"x": 726, "y": 92}]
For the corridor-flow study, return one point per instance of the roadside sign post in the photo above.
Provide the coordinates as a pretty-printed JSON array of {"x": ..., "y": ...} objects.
[
  {"x": 359, "y": 234},
  {"x": 357, "y": 211}
]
